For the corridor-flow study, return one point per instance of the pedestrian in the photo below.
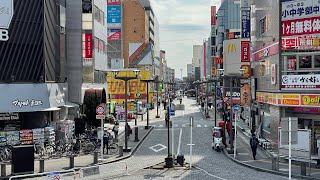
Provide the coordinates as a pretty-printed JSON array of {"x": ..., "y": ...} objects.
[
  {"x": 254, "y": 145},
  {"x": 115, "y": 130},
  {"x": 106, "y": 142},
  {"x": 128, "y": 128}
]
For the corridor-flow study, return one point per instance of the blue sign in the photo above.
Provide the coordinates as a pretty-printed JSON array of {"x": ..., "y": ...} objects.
[
  {"x": 172, "y": 110},
  {"x": 236, "y": 108},
  {"x": 114, "y": 15},
  {"x": 245, "y": 23}
]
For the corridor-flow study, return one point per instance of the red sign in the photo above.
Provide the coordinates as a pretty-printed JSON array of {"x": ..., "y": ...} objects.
[
  {"x": 273, "y": 74},
  {"x": 301, "y": 26},
  {"x": 113, "y": 2},
  {"x": 87, "y": 46},
  {"x": 301, "y": 42},
  {"x": 213, "y": 16},
  {"x": 265, "y": 52},
  {"x": 114, "y": 34},
  {"x": 100, "y": 110},
  {"x": 219, "y": 60},
  {"x": 245, "y": 51}
]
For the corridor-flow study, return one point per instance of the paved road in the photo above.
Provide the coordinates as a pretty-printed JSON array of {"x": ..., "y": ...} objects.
[{"x": 208, "y": 164}]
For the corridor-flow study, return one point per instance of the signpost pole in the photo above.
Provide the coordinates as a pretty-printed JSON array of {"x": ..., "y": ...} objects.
[
  {"x": 289, "y": 148},
  {"x": 235, "y": 135},
  {"x": 101, "y": 142},
  {"x": 172, "y": 132}
]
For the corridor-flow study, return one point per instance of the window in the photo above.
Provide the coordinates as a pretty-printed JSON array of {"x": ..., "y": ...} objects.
[
  {"x": 263, "y": 25},
  {"x": 317, "y": 61},
  {"x": 96, "y": 13},
  {"x": 96, "y": 43},
  {"x": 101, "y": 16},
  {"x": 292, "y": 63},
  {"x": 305, "y": 61}
]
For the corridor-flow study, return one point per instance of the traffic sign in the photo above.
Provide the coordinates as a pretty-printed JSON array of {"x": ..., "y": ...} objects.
[
  {"x": 138, "y": 95},
  {"x": 236, "y": 108},
  {"x": 100, "y": 110}
]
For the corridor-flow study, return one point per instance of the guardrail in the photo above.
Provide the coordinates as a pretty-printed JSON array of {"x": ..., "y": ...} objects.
[
  {"x": 96, "y": 169},
  {"x": 58, "y": 173}
]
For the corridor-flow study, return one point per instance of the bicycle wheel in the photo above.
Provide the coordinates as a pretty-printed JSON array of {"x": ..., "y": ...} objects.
[{"x": 113, "y": 148}]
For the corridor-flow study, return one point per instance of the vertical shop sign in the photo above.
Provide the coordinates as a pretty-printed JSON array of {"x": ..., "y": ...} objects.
[
  {"x": 213, "y": 16},
  {"x": 87, "y": 46},
  {"x": 245, "y": 23},
  {"x": 247, "y": 69},
  {"x": 245, "y": 95},
  {"x": 245, "y": 51},
  {"x": 86, "y": 6},
  {"x": 273, "y": 74}
]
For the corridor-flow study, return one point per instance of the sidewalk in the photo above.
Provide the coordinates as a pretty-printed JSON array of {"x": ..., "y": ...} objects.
[
  {"x": 87, "y": 160},
  {"x": 264, "y": 157}
]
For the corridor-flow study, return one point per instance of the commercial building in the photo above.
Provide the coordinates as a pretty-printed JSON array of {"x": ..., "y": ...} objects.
[
  {"x": 170, "y": 74},
  {"x": 163, "y": 66},
  {"x": 190, "y": 72},
  {"x": 33, "y": 73},
  {"x": 196, "y": 56}
]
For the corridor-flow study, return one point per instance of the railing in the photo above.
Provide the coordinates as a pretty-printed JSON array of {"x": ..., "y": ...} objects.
[
  {"x": 86, "y": 172},
  {"x": 71, "y": 172}
]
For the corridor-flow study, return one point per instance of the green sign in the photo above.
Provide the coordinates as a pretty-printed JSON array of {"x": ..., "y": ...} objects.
[{"x": 160, "y": 86}]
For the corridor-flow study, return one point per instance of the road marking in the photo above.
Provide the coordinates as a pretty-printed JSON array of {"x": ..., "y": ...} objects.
[
  {"x": 198, "y": 125},
  {"x": 160, "y": 125},
  {"x": 210, "y": 174},
  {"x": 180, "y": 135},
  {"x": 205, "y": 126},
  {"x": 243, "y": 154},
  {"x": 183, "y": 125},
  {"x": 158, "y": 147},
  {"x": 176, "y": 125}
]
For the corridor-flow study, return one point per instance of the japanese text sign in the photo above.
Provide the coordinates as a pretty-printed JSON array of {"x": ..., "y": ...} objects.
[
  {"x": 114, "y": 16},
  {"x": 273, "y": 74},
  {"x": 307, "y": 81},
  {"x": 245, "y": 51},
  {"x": 245, "y": 23},
  {"x": 245, "y": 95},
  {"x": 113, "y": 2},
  {"x": 87, "y": 46},
  {"x": 301, "y": 42},
  {"x": 301, "y": 26},
  {"x": 300, "y": 9},
  {"x": 213, "y": 16}
]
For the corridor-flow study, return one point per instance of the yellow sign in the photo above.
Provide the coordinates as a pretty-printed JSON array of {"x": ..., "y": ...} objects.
[
  {"x": 231, "y": 48},
  {"x": 213, "y": 71},
  {"x": 310, "y": 99},
  {"x": 290, "y": 96}
]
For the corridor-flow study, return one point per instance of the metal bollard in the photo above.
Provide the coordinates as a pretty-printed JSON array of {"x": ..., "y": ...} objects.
[
  {"x": 136, "y": 137},
  {"x": 142, "y": 117},
  {"x": 95, "y": 157},
  {"x": 41, "y": 165},
  {"x": 303, "y": 169},
  {"x": 274, "y": 163},
  {"x": 3, "y": 170},
  {"x": 71, "y": 161},
  {"x": 120, "y": 151}
]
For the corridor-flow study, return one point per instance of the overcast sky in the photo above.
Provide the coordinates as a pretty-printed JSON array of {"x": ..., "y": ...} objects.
[{"x": 183, "y": 23}]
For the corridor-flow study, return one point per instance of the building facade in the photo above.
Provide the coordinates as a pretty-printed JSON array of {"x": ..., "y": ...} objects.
[{"x": 196, "y": 56}]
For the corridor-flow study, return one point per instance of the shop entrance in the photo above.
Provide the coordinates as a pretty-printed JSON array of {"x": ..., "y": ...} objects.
[{"x": 314, "y": 126}]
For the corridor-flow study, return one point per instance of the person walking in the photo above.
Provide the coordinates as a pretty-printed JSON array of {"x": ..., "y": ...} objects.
[
  {"x": 115, "y": 130},
  {"x": 254, "y": 145},
  {"x": 106, "y": 142}
]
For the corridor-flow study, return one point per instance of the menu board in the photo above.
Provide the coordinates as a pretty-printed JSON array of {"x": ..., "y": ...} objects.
[{"x": 26, "y": 136}]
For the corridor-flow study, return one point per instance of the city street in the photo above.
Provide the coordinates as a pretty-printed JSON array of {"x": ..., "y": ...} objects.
[{"x": 207, "y": 163}]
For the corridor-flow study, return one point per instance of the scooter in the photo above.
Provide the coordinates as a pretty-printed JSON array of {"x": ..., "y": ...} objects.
[{"x": 217, "y": 139}]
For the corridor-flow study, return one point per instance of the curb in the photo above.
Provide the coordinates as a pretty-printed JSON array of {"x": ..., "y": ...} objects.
[
  {"x": 132, "y": 152},
  {"x": 265, "y": 170}
]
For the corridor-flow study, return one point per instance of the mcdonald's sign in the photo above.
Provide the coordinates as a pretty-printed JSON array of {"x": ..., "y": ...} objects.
[{"x": 231, "y": 48}]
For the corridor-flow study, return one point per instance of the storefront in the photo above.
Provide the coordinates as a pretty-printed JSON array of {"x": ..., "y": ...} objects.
[{"x": 33, "y": 113}]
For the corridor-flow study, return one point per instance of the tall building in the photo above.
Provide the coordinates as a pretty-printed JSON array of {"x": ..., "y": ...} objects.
[
  {"x": 196, "y": 56},
  {"x": 141, "y": 36},
  {"x": 170, "y": 74},
  {"x": 33, "y": 77},
  {"x": 163, "y": 65},
  {"x": 190, "y": 72}
]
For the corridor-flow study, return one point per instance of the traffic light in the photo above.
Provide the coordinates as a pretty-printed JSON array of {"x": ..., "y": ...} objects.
[{"x": 180, "y": 159}]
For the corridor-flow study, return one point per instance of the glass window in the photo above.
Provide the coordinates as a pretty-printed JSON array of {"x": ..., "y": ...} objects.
[
  {"x": 101, "y": 16},
  {"x": 96, "y": 43},
  {"x": 305, "y": 61},
  {"x": 292, "y": 63},
  {"x": 96, "y": 13},
  {"x": 317, "y": 61}
]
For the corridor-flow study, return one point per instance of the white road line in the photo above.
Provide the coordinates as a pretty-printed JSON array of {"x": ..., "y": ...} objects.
[
  {"x": 183, "y": 125},
  {"x": 210, "y": 174},
  {"x": 180, "y": 135},
  {"x": 205, "y": 126},
  {"x": 198, "y": 125},
  {"x": 160, "y": 125},
  {"x": 176, "y": 125}
]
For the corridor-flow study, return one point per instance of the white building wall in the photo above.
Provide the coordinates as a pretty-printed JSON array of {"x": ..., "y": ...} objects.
[{"x": 196, "y": 55}]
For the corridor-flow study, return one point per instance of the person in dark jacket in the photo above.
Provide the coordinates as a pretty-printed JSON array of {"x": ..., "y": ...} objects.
[
  {"x": 106, "y": 142},
  {"x": 254, "y": 145}
]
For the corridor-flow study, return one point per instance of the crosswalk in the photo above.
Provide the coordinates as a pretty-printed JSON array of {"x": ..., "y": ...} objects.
[{"x": 182, "y": 125}]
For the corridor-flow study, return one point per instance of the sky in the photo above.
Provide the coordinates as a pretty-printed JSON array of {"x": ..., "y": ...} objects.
[{"x": 183, "y": 23}]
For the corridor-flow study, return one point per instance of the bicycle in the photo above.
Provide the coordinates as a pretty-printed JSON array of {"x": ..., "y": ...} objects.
[{"x": 5, "y": 153}]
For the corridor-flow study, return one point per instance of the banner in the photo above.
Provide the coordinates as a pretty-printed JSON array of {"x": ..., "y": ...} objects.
[
  {"x": 245, "y": 95},
  {"x": 245, "y": 24},
  {"x": 245, "y": 51},
  {"x": 114, "y": 16},
  {"x": 213, "y": 16},
  {"x": 306, "y": 81},
  {"x": 87, "y": 46},
  {"x": 114, "y": 34},
  {"x": 273, "y": 74}
]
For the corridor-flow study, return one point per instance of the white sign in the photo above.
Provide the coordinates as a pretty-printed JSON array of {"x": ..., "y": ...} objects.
[
  {"x": 100, "y": 110},
  {"x": 306, "y": 81},
  {"x": 87, "y": 62},
  {"x": 300, "y": 9},
  {"x": 6, "y": 13},
  {"x": 27, "y": 102},
  {"x": 273, "y": 74}
]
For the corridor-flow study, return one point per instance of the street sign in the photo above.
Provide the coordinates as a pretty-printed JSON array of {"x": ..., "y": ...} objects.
[
  {"x": 100, "y": 110},
  {"x": 236, "y": 108},
  {"x": 138, "y": 95}
]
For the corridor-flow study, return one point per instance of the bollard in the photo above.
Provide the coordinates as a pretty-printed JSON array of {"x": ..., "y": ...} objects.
[
  {"x": 3, "y": 170},
  {"x": 71, "y": 161},
  {"x": 303, "y": 169},
  {"x": 136, "y": 137},
  {"x": 41, "y": 164},
  {"x": 120, "y": 151},
  {"x": 274, "y": 163},
  {"x": 142, "y": 117},
  {"x": 95, "y": 157}
]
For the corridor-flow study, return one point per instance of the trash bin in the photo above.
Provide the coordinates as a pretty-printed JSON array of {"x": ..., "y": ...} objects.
[{"x": 22, "y": 159}]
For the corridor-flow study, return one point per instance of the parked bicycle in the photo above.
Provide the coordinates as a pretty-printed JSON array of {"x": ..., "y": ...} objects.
[{"x": 5, "y": 153}]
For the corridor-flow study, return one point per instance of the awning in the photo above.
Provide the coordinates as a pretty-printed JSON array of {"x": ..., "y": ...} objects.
[
  {"x": 92, "y": 90},
  {"x": 52, "y": 109}
]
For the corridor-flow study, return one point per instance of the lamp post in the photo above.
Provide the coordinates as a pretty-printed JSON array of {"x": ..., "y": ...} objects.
[
  {"x": 157, "y": 83},
  {"x": 126, "y": 79},
  {"x": 147, "y": 81}
]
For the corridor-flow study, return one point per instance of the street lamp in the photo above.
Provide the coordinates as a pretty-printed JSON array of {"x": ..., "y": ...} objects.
[
  {"x": 147, "y": 81},
  {"x": 157, "y": 83},
  {"x": 126, "y": 79}
]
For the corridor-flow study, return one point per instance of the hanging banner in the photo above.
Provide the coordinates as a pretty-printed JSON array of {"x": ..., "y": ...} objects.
[
  {"x": 245, "y": 51},
  {"x": 245, "y": 23},
  {"x": 245, "y": 95}
]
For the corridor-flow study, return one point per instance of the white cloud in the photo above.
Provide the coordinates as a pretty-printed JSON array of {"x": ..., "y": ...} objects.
[{"x": 183, "y": 23}]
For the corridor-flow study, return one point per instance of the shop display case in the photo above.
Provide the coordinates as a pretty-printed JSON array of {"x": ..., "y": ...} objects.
[
  {"x": 38, "y": 136},
  {"x": 26, "y": 136},
  {"x": 13, "y": 138},
  {"x": 50, "y": 135}
]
